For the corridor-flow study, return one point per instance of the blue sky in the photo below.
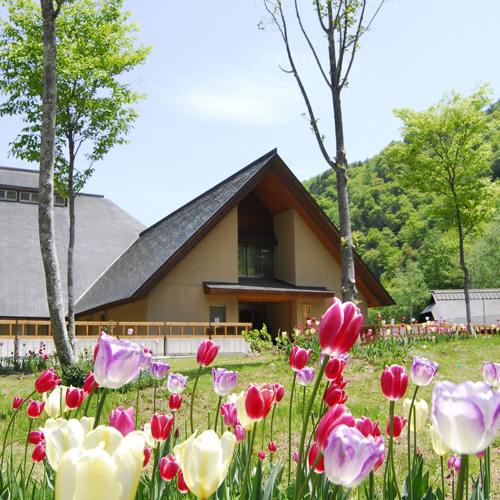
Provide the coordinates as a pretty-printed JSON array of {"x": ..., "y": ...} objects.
[{"x": 217, "y": 99}]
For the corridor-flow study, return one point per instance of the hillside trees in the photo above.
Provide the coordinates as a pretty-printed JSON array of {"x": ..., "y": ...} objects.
[
  {"x": 95, "y": 109},
  {"x": 341, "y": 23},
  {"x": 443, "y": 152}
]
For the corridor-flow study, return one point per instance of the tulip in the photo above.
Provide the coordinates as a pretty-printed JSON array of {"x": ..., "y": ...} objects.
[
  {"x": 122, "y": 420},
  {"x": 340, "y": 327},
  {"x": 168, "y": 467},
  {"x": 181, "y": 483},
  {"x": 423, "y": 371},
  {"x": 53, "y": 402},
  {"x": 47, "y": 381},
  {"x": 466, "y": 416},
  {"x": 271, "y": 447},
  {"x": 207, "y": 352},
  {"x": 280, "y": 392},
  {"x": 335, "y": 396},
  {"x": 350, "y": 456},
  {"x": 394, "y": 381},
  {"x": 335, "y": 367},
  {"x": 335, "y": 416},
  {"x": 205, "y": 460},
  {"x": 299, "y": 358},
  {"x": 305, "y": 376},
  {"x": 107, "y": 465},
  {"x": 74, "y": 397},
  {"x": 313, "y": 455},
  {"x": 36, "y": 437},
  {"x": 174, "y": 402},
  {"x": 367, "y": 427},
  {"x": 147, "y": 456},
  {"x": 38, "y": 453},
  {"x": 420, "y": 410},
  {"x": 88, "y": 386},
  {"x": 176, "y": 383},
  {"x": 239, "y": 402},
  {"x": 161, "y": 425},
  {"x": 17, "y": 402},
  {"x": 239, "y": 433},
  {"x": 261, "y": 454},
  {"x": 397, "y": 426},
  {"x": 158, "y": 370},
  {"x": 258, "y": 401},
  {"x": 439, "y": 447},
  {"x": 146, "y": 359},
  {"x": 454, "y": 463},
  {"x": 491, "y": 373},
  {"x": 224, "y": 381},
  {"x": 35, "y": 408},
  {"x": 379, "y": 441},
  {"x": 117, "y": 362},
  {"x": 230, "y": 414},
  {"x": 296, "y": 456}
]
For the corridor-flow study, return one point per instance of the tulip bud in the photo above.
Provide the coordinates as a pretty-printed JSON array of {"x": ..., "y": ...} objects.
[
  {"x": 17, "y": 402},
  {"x": 90, "y": 384},
  {"x": 394, "y": 381},
  {"x": 177, "y": 433},
  {"x": 239, "y": 433},
  {"x": 397, "y": 426},
  {"x": 168, "y": 467},
  {"x": 299, "y": 358},
  {"x": 161, "y": 425},
  {"x": 207, "y": 351},
  {"x": 261, "y": 454},
  {"x": 271, "y": 446},
  {"x": 280, "y": 392},
  {"x": 295, "y": 456},
  {"x": 74, "y": 397},
  {"x": 313, "y": 455},
  {"x": 147, "y": 456},
  {"x": 174, "y": 401},
  {"x": 47, "y": 381},
  {"x": 36, "y": 437},
  {"x": 35, "y": 408},
  {"x": 38, "y": 453}
]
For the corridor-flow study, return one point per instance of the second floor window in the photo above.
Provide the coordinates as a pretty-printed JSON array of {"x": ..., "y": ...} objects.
[{"x": 255, "y": 261}]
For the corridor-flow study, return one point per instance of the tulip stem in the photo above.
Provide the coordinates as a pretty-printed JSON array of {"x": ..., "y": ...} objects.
[
  {"x": 461, "y": 476},
  {"x": 372, "y": 485},
  {"x": 290, "y": 431},
  {"x": 308, "y": 478},
  {"x": 263, "y": 432},
  {"x": 154, "y": 399},
  {"x": 487, "y": 470},
  {"x": 217, "y": 415},
  {"x": 26, "y": 448},
  {"x": 137, "y": 400},
  {"x": 100, "y": 406},
  {"x": 192, "y": 399},
  {"x": 249, "y": 461},
  {"x": 391, "y": 450},
  {"x": 410, "y": 479},
  {"x": 92, "y": 390},
  {"x": 272, "y": 421},
  {"x": 153, "y": 474},
  {"x": 298, "y": 478},
  {"x": 442, "y": 475}
]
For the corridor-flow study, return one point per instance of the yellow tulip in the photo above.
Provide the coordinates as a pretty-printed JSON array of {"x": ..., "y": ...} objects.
[
  {"x": 439, "y": 447},
  {"x": 106, "y": 466},
  {"x": 420, "y": 409},
  {"x": 204, "y": 461},
  {"x": 53, "y": 402}
]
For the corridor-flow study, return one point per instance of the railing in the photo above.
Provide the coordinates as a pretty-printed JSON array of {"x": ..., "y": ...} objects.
[
  {"x": 424, "y": 329},
  {"x": 34, "y": 328}
]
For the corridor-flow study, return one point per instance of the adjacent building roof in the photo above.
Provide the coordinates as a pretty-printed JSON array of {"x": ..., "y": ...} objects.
[
  {"x": 103, "y": 232},
  {"x": 160, "y": 248},
  {"x": 449, "y": 306}
]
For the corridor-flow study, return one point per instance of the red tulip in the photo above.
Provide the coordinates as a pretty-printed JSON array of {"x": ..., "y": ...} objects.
[
  {"x": 38, "y": 453},
  {"x": 74, "y": 397},
  {"x": 161, "y": 425},
  {"x": 89, "y": 386},
  {"x": 181, "y": 484},
  {"x": 299, "y": 358},
  {"x": 367, "y": 427},
  {"x": 261, "y": 454},
  {"x": 207, "y": 352},
  {"x": 168, "y": 467},
  {"x": 380, "y": 460},
  {"x": 147, "y": 456},
  {"x": 258, "y": 400},
  {"x": 280, "y": 392},
  {"x": 335, "y": 396},
  {"x": 336, "y": 415},
  {"x": 174, "y": 402},
  {"x": 335, "y": 367},
  {"x": 340, "y": 327},
  {"x": 313, "y": 455},
  {"x": 394, "y": 381},
  {"x": 36, "y": 437},
  {"x": 17, "y": 402},
  {"x": 271, "y": 446},
  {"x": 35, "y": 408},
  {"x": 47, "y": 381},
  {"x": 397, "y": 426}
]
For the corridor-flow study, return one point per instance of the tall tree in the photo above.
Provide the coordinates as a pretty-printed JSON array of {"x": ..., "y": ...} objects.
[
  {"x": 443, "y": 151},
  {"x": 342, "y": 23},
  {"x": 94, "y": 108},
  {"x": 46, "y": 184}
]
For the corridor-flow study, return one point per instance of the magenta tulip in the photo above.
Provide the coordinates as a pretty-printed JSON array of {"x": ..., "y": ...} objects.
[
  {"x": 122, "y": 420},
  {"x": 299, "y": 358},
  {"x": 35, "y": 408},
  {"x": 258, "y": 401},
  {"x": 335, "y": 367},
  {"x": 47, "y": 381},
  {"x": 168, "y": 467},
  {"x": 207, "y": 351},
  {"x": 161, "y": 425},
  {"x": 239, "y": 433},
  {"x": 38, "y": 453},
  {"x": 174, "y": 401},
  {"x": 74, "y": 397},
  {"x": 230, "y": 414},
  {"x": 17, "y": 402},
  {"x": 313, "y": 455},
  {"x": 397, "y": 426},
  {"x": 335, "y": 416},
  {"x": 394, "y": 382},
  {"x": 280, "y": 392}
]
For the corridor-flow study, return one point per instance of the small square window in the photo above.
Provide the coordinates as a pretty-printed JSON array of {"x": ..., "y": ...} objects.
[
  {"x": 59, "y": 201},
  {"x": 23, "y": 196}
]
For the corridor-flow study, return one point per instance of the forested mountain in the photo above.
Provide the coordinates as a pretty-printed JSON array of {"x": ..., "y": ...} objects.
[{"x": 399, "y": 234}]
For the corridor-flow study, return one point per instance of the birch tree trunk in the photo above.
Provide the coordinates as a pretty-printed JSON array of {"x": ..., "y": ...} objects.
[{"x": 46, "y": 185}]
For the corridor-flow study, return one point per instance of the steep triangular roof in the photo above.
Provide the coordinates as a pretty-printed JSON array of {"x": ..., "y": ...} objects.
[{"x": 161, "y": 247}]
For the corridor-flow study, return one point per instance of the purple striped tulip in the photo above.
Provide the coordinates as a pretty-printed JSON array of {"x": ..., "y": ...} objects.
[
  {"x": 466, "y": 416},
  {"x": 305, "y": 376},
  {"x": 350, "y": 456},
  {"x": 491, "y": 373},
  {"x": 176, "y": 383},
  {"x": 224, "y": 381},
  {"x": 117, "y": 362},
  {"x": 423, "y": 371},
  {"x": 158, "y": 370}
]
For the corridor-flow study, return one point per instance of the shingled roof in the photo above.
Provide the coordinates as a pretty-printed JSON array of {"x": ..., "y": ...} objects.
[
  {"x": 160, "y": 248},
  {"x": 103, "y": 232}
]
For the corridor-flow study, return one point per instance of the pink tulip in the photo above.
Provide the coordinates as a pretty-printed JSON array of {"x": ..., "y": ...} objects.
[
  {"x": 161, "y": 425},
  {"x": 271, "y": 447},
  {"x": 394, "y": 382},
  {"x": 168, "y": 467},
  {"x": 38, "y": 453},
  {"x": 397, "y": 426},
  {"x": 313, "y": 455},
  {"x": 174, "y": 401},
  {"x": 261, "y": 454},
  {"x": 147, "y": 456},
  {"x": 207, "y": 351},
  {"x": 35, "y": 408},
  {"x": 47, "y": 381},
  {"x": 122, "y": 420},
  {"x": 258, "y": 401},
  {"x": 17, "y": 402},
  {"x": 74, "y": 397},
  {"x": 299, "y": 358},
  {"x": 280, "y": 392},
  {"x": 36, "y": 437},
  {"x": 181, "y": 483},
  {"x": 90, "y": 384},
  {"x": 335, "y": 416},
  {"x": 230, "y": 414},
  {"x": 239, "y": 433},
  {"x": 367, "y": 427},
  {"x": 335, "y": 367}
]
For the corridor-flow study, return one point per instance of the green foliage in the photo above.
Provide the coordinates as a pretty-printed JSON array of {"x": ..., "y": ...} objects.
[
  {"x": 259, "y": 340},
  {"x": 75, "y": 374}
]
